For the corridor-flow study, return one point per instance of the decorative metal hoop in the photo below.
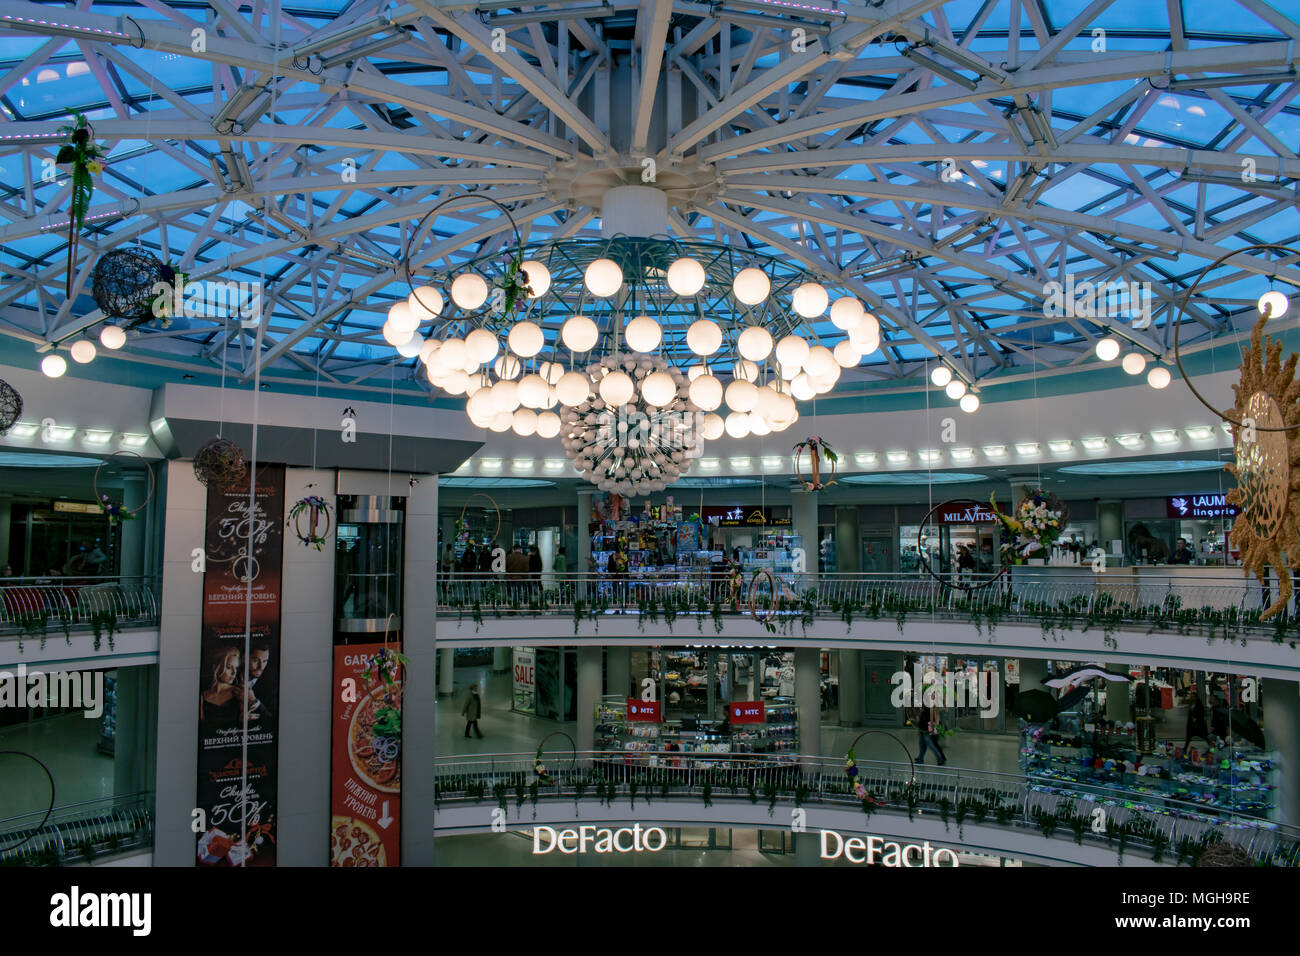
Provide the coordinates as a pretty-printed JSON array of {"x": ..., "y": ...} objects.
[
  {"x": 920, "y": 552},
  {"x": 94, "y": 481},
  {"x": 306, "y": 539},
  {"x": 495, "y": 507},
  {"x": 541, "y": 746},
  {"x": 49, "y": 810},
  {"x": 753, "y": 595},
  {"x": 1178, "y": 323},
  {"x": 867, "y": 733}
]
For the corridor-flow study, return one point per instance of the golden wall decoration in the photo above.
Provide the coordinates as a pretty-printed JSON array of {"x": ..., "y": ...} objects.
[{"x": 1267, "y": 451}]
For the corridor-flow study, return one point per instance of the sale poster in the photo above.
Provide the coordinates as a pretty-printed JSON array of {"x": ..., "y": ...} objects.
[
  {"x": 239, "y": 684},
  {"x": 366, "y": 756},
  {"x": 525, "y": 691}
]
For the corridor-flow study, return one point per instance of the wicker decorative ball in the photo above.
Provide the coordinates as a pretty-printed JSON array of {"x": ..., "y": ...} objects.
[
  {"x": 123, "y": 282},
  {"x": 11, "y": 406},
  {"x": 219, "y": 463},
  {"x": 1225, "y": 854}
]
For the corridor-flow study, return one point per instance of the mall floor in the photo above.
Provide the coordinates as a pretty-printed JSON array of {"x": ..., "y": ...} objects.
[{"x": 69, "y": 746}]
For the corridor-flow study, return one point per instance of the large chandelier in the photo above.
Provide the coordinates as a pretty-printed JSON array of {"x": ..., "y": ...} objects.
[{"x": 633, "y": 350}]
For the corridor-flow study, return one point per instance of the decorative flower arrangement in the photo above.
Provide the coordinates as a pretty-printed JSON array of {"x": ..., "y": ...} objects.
[
  {"x": 86, "y": 159},
  {"x": 540, "y": 768},
  {"x": 385, "y": 666},
  {"x": 851, "y": 771},
  {"x": 115, "y": 511},
  {"x": 817, "y": 448},
  {"x": 1037, "y": 523},
  {"x": 167, "y": 305},
  {"x": 314, "y": 508}
]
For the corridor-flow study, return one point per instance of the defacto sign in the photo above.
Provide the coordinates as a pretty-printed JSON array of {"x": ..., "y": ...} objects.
[
  {"x": 1200, "y": 506},
  {"x": 589, "y": 839},
  {"x": 875, "y": 850}
]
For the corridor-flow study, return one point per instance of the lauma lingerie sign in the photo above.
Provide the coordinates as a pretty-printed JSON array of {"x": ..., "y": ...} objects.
[{"x": 1200, "y": 506}]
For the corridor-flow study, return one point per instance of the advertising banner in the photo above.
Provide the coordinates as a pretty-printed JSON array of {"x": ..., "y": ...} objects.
[
  {"x": 1200, "y": 506},
  {"x": 239, "y": 672},
  {"x": 748, "y": 712},
  {"x": 742, "y": 516},
  {"x": 525, "y": 680},
  {"x": 646, "y": 710},
  {"x": 965, "y": 511},
  {"x": 366, "y": 759}
]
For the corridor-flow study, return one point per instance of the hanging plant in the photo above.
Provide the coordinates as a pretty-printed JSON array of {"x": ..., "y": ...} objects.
[
  {"x": 219, "y": 463},
  {"x": 818, "y": 448},
  {"x": 85, "y": 157},
  {"x": 386, "y": 666},
  {"x": 115, "y": 511},
  {"x": 305, "y": 519}
]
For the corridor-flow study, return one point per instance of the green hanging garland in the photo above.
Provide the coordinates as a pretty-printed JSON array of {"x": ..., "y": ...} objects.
[{"x": 85, "y": 156}]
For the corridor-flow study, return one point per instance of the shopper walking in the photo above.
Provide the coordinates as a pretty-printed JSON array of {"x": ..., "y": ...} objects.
[
  {"x": 534, "y": 569},
  {"x": 1196, "y": 725},
  {"x": 516, "y": 572},
  {"x": 927, "y": 726},
  {"x": 471, "y": 711}
]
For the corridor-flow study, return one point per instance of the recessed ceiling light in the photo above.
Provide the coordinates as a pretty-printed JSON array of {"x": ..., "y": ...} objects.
[
  {"x": 741, "y": 464},
  {"x": 24, "y": 429},
  {"x": 465, "y": 468},
  {"x": 773, "y": 463},
  {"x": 98, "y": 436},
  {"x": 930, "y": 455},
  {"x": 709, "y": 464},
  {"x": 867, "y": 459},
  {"x": 489, "y": 464},
  {"x": 554, "y": 464},
  {"x": 995, "y": 451},
  {"x": 522, "y": 464},
  {"x": 1199, "y": 432},
  {"x": 897, "y": 457},
  {"x": 134, "y": 440},
  {"x": 1027, "y": 448},
  {"x": 59, "y": 432},
  {"x": 1131, "y": 440},
  {"x": 1062, "y": 446},
  {"x": 1164, "y": 436},
  {"x": 1094, "y": 444},
  {"x": 963, "y": 454}
]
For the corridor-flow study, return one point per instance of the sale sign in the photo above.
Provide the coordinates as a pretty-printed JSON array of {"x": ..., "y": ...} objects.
[
  {"x": 748, "y": 712},
  {"x": 525, "y": 666},
  {"x": 646, "y": 710},
  {"x": 366, "y": 759}
]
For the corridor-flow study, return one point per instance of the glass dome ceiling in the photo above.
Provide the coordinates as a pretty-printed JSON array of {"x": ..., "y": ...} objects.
[{"x": 945, "y": 161}]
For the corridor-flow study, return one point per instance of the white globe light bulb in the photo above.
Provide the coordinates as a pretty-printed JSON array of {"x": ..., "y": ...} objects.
[
  {"x": 741, "y": 396},
  {"x": 533, "y": 391},
  {"x": 402, "y": 318},
  {"x": 395, "y": 336},
  {"x": 955, "y": 389},
  {"x": 754, "y": 344},
  {"x": 82, "y": 351},
  {"x": 1273, "y": 304},
  {"x": 502, "y": 422},
  {"x": 505, "y": 396},
  {"x": 769, "y": 404},
  {"x": 810, "y": 300},
  {"x": 704, "y": 337},
  {"x": 112, "y": 337},
  {"x": 453, "y": 354},
  {"x": 548, "y": 425},
  {"x": 456, "y": 382},
  {"x": 469, "y": 291},
  {"x": 1107, "y": 349},
  {"x": 573, "y": 389},
  {"x": 801, "y": 388},
  {"x": 846, "y": 355},
  {"x": 539, "y": 277},
  {"x": 745, "y": 371},
  {"x": 507, "y": 367},
  {"x": 429, "y": 350},
  {"x": 54, "y": 365},
  {"x": 658, "y": 389},
  {"x": 1134, "y": 363},
  {"x": 411, "y": 347},
  {"x": 616, "y": 388},
  {"x": 686, "y": 277},
  {"x": 480, "y": 404},
  {"x": 969, "y": 402},
  {"x": 791, "y": 352},
  {"x": 482, "y": 345},
  {"x": 695, "y": 371},
  {"x": 603, "y": 278},
  {"x": 940, "y": 375},
  {"x": 758, "y": 425},
  {"x": 713, "y": 426},
  {"x": 865, "y": 336},
  {"x": 751, "y": 286},
  {"x": 706, "y": 392},
  {"x": 526, "y": 339},
  {"x": 737, "y": 425},
  {"x": 425, "y": 303},
  {"x": 579, "y": 334},
  {"x": 524, "y": 422},
  {"x": 821, "y": 363},
  {"x": 1159, "y": 377},
  {"x": 642, "y": 334},
  {"x": 846, "y": 312}
]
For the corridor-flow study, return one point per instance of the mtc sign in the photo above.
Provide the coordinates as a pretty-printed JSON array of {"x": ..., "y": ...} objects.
[
  {"x": 600, "y": 839},
  {"x": 875, "y": 849}
]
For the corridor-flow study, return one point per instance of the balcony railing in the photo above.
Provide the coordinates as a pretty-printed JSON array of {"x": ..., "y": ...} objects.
[
  {"x": 78, "y": 832},
  {"x": 1162, "y": 827},
  {"x": 1228, "y": 606},
  {"x": 35, "y": 608}
]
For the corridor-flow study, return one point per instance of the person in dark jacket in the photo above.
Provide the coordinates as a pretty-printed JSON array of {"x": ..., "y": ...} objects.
[
  {"x": 471, "y": 711},
  {"x": 927, "y": 728},
  {"x": 534, "y": 568},
  {"x": 1196, "y": 726},
  {"x": 1182, "y": 553}
]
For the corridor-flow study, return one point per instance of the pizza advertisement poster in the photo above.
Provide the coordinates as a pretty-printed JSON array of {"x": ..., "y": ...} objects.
[
  {"x": 239, "y": 668},
  {"x": 366, "y": 759}
]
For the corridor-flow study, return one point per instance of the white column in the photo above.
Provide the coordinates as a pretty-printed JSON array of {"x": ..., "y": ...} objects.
[
  {"x": 446, "y": 671},
  {"x": 618, "y": 671},
  {"x": 808, "y": 702},
  {"x": 1282, "y": 736},
  {"x": 803, "y": 516},
  {"x": 588, "y": 695},
  {"x": 133, "y": 532},
  {"x": 419, "y": 699},
  {"x": 584, "y": 538},
  {"x": 500, "y": 660}
]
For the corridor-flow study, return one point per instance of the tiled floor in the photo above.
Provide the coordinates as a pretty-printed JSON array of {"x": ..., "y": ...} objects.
[{"x": 68, "y": 746}]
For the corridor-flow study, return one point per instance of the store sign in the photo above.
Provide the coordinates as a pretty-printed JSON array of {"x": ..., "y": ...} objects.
[
  {"x": 365, "y": 760},
  {"x": 643, "y": 710},
  {"x": 525, "y": 665},
  {"x": 964, "y": 511},
  {"x": 748, "y": 712},
  {"x": 875, "y": 850},
  {"x": 238, "y": 726},
  {"x": 601, "y": 840},
  {"x": 1200, "y": 506},
  {"x": 741, "y": 516}
]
